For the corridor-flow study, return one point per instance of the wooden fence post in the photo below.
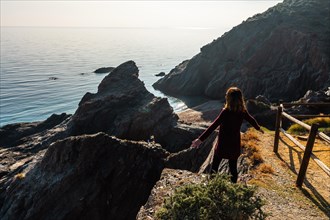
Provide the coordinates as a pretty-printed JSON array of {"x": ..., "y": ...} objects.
[
  {"x": 277, "y": 127},
  {"x": 307, "y": 154}
]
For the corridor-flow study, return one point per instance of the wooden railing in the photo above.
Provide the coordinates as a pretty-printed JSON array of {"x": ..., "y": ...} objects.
[{"x": 313, "y": 132}]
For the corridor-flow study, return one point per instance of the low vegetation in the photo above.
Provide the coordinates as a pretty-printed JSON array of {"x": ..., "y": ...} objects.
[
  {"x": 216, "y": 199},
  {"x": 324, "y": 125},
  {"x": 251, "y": 148},
  {"x": 266, "y": 168}
]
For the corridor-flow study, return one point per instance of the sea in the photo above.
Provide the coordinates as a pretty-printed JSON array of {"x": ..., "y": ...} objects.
[{"x": 46, "y": 70}]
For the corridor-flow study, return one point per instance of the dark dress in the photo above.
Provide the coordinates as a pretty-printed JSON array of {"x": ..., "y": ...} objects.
[{"x": 229, "y": 139}]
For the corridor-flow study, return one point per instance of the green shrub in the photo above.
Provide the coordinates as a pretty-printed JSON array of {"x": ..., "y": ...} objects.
[
  {"x": 217, "y": 199},
  {"x": 324, "y": 125}
]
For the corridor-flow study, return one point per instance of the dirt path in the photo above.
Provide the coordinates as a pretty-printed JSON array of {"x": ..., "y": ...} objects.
[{"x": 283, "y": 199}]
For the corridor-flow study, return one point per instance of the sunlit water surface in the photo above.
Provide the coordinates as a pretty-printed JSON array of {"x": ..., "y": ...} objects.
[{"x": 31, "y": 58}]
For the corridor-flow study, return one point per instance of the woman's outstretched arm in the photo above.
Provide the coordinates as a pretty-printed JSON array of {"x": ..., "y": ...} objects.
[
  {"x": 252, "y": 121},
  {"x": 209, "y": 130}
]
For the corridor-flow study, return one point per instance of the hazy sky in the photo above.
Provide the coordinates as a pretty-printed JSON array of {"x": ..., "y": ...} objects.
[{"x": 199, "y": 14}]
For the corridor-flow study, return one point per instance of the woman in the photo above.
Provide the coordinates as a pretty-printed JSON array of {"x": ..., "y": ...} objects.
[{"x": 229, "y": 140}]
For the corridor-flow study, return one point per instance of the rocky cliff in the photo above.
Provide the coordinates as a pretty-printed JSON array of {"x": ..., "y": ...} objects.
[
  {"x": 101, "y": 162},
  {"x": 86, "y": 177},
  {"x": 280, "y": 53},
  {"x": 124, "y": 108}
]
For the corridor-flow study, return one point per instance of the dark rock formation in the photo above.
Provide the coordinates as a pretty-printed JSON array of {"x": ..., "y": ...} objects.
[
  {"x": 124, "y": 108},
  {"x": 263, "y": 99},
  {"x": 22, "y": 143},
  {"x": 160, "y": 74},
  {"x": 321, "y": 96},
  {"x": 264, "y": 113},
  {"x": 53, "y": 78},
  {"x": 104, "y": 70},
  {"x": 316, "y": 96},
  {"x": 280, "y": 53},
  {"x": 192, "y": 158},
  {"x": 52, "y": 169},
  {"x": 16, "y": 134},
  {"x": 86, "y": 177}
]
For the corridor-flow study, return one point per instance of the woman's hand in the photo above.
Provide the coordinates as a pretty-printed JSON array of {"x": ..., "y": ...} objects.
[{"x": 196, "y": 143}]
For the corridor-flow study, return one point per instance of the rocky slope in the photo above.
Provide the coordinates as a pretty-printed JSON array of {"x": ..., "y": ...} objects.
[
  {"x": 280, "y": 53},
  {"x": 64, "y": 168},
  {"x": 86, "y": 177}
]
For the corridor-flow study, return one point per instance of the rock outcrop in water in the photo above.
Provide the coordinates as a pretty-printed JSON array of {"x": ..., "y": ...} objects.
[
  {"x": 280, "y": 53},
  {"x": 104, "y": 70},
  {"x": 122, "y": 107}
]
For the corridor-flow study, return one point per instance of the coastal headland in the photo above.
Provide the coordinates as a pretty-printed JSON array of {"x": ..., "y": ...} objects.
[{"x": 113, "y": 155}]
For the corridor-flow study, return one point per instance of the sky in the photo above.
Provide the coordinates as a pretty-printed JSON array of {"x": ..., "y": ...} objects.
[{"x": 150, "y": 14}]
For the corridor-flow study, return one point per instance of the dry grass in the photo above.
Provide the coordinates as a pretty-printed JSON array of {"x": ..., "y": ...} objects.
[
  {"x": 256, "y": 158},
  {"x": 250, "y": 144},
  {"x": 277, "y": 183},
  {"x": 315, "y": 176},
  {"x": 266, "y": 168},
  {"x": 251, "y": 135}
]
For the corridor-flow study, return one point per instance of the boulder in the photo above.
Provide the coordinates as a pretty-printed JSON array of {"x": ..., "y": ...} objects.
[
  {"x": 191, "y": 159},
  {"x": 85, "y": 177},
  {"x": 104, "y": 70},
  {"x": 263, "y": 112},
  {"x": 281, "y": 53},
  {"x": 316, "y": 96},
  {"x": 261, "y": 98},
  {"x": 254, "y": 106},
  {"x": 160, "y": 74},
  {"x": 311, "y": 96}
]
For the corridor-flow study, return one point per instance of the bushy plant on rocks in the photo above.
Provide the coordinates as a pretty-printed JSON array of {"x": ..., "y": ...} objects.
[{"x": 216, "y": 199}]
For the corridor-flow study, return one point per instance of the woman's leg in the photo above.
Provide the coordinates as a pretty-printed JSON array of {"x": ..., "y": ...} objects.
[
  {"x": 215, "y": 163},
  {"x": 233, "y": 170}
]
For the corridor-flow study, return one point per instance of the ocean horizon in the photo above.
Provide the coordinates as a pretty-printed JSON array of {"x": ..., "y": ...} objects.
[{"x": 46, "y": 70}]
